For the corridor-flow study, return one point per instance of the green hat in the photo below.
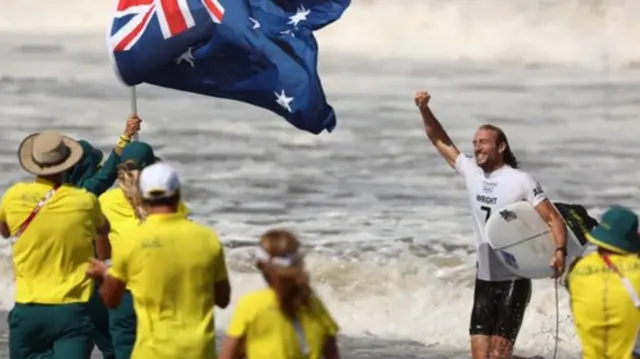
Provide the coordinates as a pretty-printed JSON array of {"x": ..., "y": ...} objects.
[
  {"x": 87, "y": 167},
  {"x": 617, "y": 231},
  {"x": 90, "y": 151},
  {"x": 140, "y": 153}
]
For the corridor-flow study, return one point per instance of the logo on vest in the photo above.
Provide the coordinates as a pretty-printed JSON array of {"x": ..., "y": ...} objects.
[
  {"x": 488, "y": 187},
  {"x": 509, "y": 259},
  {"x": 537, "y": 191},
  {"x": 508, "y": 216}
]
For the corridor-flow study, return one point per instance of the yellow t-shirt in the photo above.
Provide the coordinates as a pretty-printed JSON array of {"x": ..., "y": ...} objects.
[
  {"x": 171, "y": 264},
  {"x": 120, "y": 214},
  {"x": 50, "y": 257},
  {"x": 269, "y": 334},
  {"x": 606, "y": 319}
]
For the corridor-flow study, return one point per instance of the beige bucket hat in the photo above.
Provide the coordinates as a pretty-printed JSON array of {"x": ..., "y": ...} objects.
[{"x": 48, "y": 152}]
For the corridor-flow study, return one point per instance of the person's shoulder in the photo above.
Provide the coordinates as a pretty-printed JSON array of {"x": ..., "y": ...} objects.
[
  {"x": 258, "y": 298},
  {"x": 524, "y": 177},
  {"x": 110, "y": 193},
  {"x": 110, "y": 196},
  {"x": 254, "y": 302},
  {"x": 588, "y": 264},
  {"x": 18, "y": 188},
  {"x": 467, "y": 161},
  {"x": 136, "y": 228},
  {"x": 201, "y": 230},
  {"x": 518, "y": 172},
  {"x": 80, "y": 194},
  {"x": 132, "y": 233}
]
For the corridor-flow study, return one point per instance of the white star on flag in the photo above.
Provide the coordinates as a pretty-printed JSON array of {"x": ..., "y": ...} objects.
[
  {"x": 187, "y": 57},
  {"x": 256, "y": 24},
  {"x": 300, "y": 15},
  {"x": 283, "y": 100}
]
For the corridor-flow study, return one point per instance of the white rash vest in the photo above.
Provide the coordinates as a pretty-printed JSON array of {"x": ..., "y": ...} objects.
[{"x": 488, "y": 192}]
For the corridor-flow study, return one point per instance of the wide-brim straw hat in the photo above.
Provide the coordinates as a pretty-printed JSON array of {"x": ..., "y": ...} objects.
[{"x": 48, "y": 153}]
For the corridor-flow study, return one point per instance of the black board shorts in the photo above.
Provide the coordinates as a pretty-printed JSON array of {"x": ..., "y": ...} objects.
[{"x": 498, "y": 307}]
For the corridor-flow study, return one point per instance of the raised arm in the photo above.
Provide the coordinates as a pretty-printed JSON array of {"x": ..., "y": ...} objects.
[
  {"x": 130, "y": 130},
  {"x": 436, "y": 134}
]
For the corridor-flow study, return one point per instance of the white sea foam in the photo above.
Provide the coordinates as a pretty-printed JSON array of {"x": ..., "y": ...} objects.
[{"x": 423, "y": 299}]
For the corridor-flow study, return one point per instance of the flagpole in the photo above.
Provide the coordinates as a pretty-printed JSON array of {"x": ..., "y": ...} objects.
[{"x": 134, "y": 106}]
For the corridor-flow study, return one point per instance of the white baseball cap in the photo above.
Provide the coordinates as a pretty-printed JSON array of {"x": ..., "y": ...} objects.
[{"x": 159, "y": 181}]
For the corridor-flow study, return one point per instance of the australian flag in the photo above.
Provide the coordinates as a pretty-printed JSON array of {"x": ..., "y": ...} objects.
[{"x": 261, "y": 52}]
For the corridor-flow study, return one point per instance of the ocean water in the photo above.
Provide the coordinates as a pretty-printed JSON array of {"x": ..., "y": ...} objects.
[{"x": 384, "y": 220}]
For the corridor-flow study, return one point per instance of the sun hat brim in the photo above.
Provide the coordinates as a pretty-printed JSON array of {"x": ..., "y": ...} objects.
[
  {"x": 25, "y": 157},
  {"x": 604, "y": 239}
]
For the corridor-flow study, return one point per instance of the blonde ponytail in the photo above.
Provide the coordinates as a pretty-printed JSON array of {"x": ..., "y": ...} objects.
[
  {"x": 290, "y": 283},
  {"x": 128, "y": 176}
]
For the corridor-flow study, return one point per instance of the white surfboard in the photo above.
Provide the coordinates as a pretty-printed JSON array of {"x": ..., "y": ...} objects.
[{"x": 524, "y": 242}]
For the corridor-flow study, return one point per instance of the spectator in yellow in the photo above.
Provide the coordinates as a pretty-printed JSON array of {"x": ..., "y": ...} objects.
[
  {"x": 604, "y": 287},
  {"x": 286, "y": 320},
  {"x": 53, "y": 226},
  {"x": 176, "y": 272},
  {"x": 123, "y": 207}
]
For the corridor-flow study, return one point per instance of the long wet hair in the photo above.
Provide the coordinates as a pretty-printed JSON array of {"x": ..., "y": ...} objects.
[
  {"x": 507, "y": 156},
  {"x": 128, "y": 177},
  {"x": 290, "y": 283}
]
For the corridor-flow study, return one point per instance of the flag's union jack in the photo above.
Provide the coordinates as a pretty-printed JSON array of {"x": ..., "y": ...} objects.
[{"x": 174, "y": 17}]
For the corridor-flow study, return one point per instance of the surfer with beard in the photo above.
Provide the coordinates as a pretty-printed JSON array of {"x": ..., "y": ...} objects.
[{"x": 494, "y": 181}]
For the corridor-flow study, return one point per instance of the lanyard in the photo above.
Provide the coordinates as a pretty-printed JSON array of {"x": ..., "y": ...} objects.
[
  {"x": 302, "y": 341},
  {"x": 33, "y": 213},
  {"x": 625, "y": 281}
]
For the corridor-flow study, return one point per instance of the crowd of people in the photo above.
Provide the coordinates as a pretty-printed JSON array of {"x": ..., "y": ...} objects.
[{"x": 123, "y": 268}]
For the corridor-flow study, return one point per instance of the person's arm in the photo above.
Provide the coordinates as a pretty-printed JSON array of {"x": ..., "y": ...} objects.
[
  {"x": 435, "y": 132},
  {"x": 103, "y": 246},
  {"x": 559, "y": 231},
  {"x": 114, "y": 277},
  {"x": 330, "y": 350},
  {"x": 555, "y": 221},
  {"x": 221, "y": 286},
  {"x": 232, "y": 348},
  {"x": 234, "y": 344},
  {"x": 107, "y": 173},
  {"x": 223, "y": 293},
  {"x": 131, "y": 129},
  {"x": 4, "y": 227},
  {"x": 4, "y": 230},
  {"x": 535, "y": 195},
  {"x": 112, "y": 289},
  {"x": 113, "y": 282},
  {"x": 103, "y": 227},
  {"x": 104, "y": 178}
]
